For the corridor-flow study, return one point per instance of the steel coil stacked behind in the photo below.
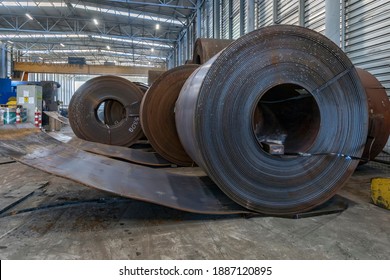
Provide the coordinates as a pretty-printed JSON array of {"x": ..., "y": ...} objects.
[
  {"x": 282, "y": 84},
  {"x": 379, "y": 115},
  {"x": 158, "y": 116},
  {"x": 105, "y": 109},
  {"x": 206, "y": 48}
]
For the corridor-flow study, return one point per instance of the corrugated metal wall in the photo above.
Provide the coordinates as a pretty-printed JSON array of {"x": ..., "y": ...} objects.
[
  {"x": 287, "y": 12},
  {"x": 315, "y": 15},
  {"x": 236, "y": 19},
  {"x": 225, "y": 15},
  {"x": 265, "y": 10},
  {"x": 67, "y": 83},
  {"x": 367, "y": 37}
]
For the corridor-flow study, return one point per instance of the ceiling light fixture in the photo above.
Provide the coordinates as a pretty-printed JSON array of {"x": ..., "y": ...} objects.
[
  {"x": 108, "y": 48},
  {"x": 62, "y": 45},
  {"x": 29, "y": 16},
  {"x": 95, "y": 21},
  {"x": 152, "y": 50},
  {"x": 157, "y": 26}
]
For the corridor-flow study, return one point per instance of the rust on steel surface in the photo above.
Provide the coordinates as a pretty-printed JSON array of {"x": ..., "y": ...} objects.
[
  {"x": 206, "y": 48},
  {"x": 225, "y": 108},
  {"x": 379, "y": 115},
  {"x": 158, "y": 116},
  {"x": 118, "y": 152},
  {"x": 115, "y": 123},
  {"x": 187, "y": 193}
]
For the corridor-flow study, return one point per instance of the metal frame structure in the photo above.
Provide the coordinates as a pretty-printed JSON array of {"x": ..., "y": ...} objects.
[{"x": 122, "y": 31}]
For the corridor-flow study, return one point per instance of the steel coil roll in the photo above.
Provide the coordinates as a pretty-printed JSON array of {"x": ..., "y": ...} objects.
[
  {"x": 206, "y": 48},
  {"x": 379, "y": 115},
  {"x": 279, "y": 84},
  {"x": 158, "y": 116},
  {"x": 90, "y": 119}
]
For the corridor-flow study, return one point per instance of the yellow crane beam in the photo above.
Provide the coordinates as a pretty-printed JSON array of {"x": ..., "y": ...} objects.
[{"x": 32, "y": 67}]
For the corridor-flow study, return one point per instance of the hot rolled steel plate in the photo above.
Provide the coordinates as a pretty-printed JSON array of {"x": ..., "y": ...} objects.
[
  {"x": 188, "y": 193},
  {"x": 206, "y": 48},
  {"x": 89, "y": 120},
  {"x": 119, "y": 152},
  {"x": 240, "y": 98},
  {"x": 158, "y": 115},
  {"x": 379, "y": 114}
]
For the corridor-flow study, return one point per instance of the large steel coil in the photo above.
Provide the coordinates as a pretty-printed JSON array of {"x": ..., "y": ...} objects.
[
  {"x": 206, "y": 48},
  {"x": 379, "y": 115},
  {"x": 91, "y": 120},
  {"x": 279, "y": 84},
  {"x": 158, "y": 116}
]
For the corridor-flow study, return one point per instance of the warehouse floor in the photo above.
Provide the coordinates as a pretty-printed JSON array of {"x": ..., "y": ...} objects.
[{"x": 47, "y": 217}]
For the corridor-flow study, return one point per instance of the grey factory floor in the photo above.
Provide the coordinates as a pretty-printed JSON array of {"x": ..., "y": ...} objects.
[{"x": 46, "y": 217}]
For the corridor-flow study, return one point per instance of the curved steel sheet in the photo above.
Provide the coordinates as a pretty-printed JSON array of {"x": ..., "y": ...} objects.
[
  {"x": 223, "y": 99},
  {"x": 158, "y": 115},
  {"x": 119, "y": 152},
  {"x": 206, "y": 48},
  {"x": 188, "y": 193}
]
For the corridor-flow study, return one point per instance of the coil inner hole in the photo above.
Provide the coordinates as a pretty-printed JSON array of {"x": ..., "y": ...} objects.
[
  {"x": 286, "y": 120},
  {"x": 110, "y": 112}
]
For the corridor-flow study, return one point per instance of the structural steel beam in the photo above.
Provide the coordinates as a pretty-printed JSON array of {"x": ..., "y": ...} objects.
[
  {"x": 81, "y": 69},
  {"x": 155, "y": 4}
]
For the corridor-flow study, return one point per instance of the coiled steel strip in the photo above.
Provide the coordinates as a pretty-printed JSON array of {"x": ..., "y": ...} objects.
[
  {"x": 206, "y": 48},
  {"x": 123, "y": 127},
  {"x": 223, "y": 108},
  {"x": 158, "y": 116},
  {"x": 379, "y": 115}
]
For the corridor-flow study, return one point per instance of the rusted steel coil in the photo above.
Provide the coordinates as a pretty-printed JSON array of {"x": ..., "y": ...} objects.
[
  {"x": 379, "y": 115},
  {"x": 279, "y": 84},
  {"x": 205, "y": 49},
  {"x": 158, "y": 116},
  {"x": 106, "y": 110}
]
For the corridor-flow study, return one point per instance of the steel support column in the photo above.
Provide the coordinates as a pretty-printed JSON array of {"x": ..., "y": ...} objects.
[
  {"x": 301, "y": 12},
  {"x": 217, "y": 19},
  {"x": 250, "y": 11},
  {"x": 3, "y": 61},
  {"x": 332, "y": 20}
]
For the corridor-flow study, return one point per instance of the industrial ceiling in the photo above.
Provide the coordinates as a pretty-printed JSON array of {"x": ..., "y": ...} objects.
[{"x": 124, "y": 32}]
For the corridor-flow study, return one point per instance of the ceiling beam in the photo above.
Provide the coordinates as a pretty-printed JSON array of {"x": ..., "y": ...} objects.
[
  {"x": 82, "y": 69},
  {"x": 154, "y": 4}
]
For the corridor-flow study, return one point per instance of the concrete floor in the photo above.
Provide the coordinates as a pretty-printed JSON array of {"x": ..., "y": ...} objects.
[{"x": 47, "y": 217}]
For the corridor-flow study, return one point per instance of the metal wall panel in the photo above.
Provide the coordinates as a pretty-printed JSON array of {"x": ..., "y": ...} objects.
[
  {"x": 236, "y": 19},
  {"x": 264, "y": 13},
  {"x": 245, "y": 17},
  {"x": 210, "y": 21},
  {"x": 225, "y": 14},
  {"x": 67, "y": 83},
  {"x": 367, "y": 37},
  {"x": 315, "y": 15},
  {"x": 287, "y": 12}
]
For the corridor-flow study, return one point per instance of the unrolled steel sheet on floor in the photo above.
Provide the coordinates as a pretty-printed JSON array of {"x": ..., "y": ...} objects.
[{"x": 189, "y": 193}]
